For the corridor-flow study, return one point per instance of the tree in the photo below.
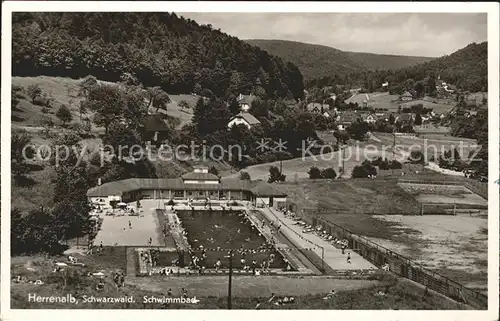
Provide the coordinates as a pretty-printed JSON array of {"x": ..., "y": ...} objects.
[
  {"x": 244, "y": 176},
  {"x": 64, "y": 114},
  {"x": 358, "y": 130},
  {"x": 87, "y": 84},
  {"x": 418, "y": 120},
  {"x": 129, "y": 79},
  {"x": 394, "y": 164},
  {"x": 158, "y": 98},
  {"x": 213, "y": 170},
  {"x": 366, "y": 169},
  {"x": 121, "y": 138},
  {"x": 275, "y": 175},
  {"x": 417, "y": 157},
  {"x": 314, "y": 172},
  {"x": 431, "y": 87},
  {"x": 184, "y": 104},
  {"x": 420, "y": 88},
  {"x": 107, "y": 103},
  {"x": 34, "y": 91},
  {"x": 328, "y": 173}
]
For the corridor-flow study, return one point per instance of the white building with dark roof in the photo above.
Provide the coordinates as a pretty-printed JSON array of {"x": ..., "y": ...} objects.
[
  {"x": 199, "y": 184},
  {"x": 243, "y": 118}
]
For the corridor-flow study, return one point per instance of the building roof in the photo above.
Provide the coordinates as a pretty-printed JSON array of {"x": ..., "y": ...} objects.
[
  {"x": 313, "y": 106},
  {"x": 117, "y": 188},
  {"x": 200, "y": 176},
  {"x": 266, "y": 190},
  {"x": 249, "y": 118},
  {"x": 154, "y": 123},
  {"x": 407, "y": 94}
]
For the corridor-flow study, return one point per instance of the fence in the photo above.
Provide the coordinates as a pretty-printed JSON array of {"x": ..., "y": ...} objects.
[{"x": 403, "y": 266}]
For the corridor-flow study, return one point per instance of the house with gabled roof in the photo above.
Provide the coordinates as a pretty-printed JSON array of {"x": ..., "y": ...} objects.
[{"x": 243, "y": 118}]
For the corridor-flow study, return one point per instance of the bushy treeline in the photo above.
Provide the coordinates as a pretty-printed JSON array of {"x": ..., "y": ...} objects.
[{"x": 160, "y": 49}]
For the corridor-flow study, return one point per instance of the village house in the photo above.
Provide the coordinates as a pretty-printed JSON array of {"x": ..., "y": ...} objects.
[
  {"x": 245, "y": 101},
  {"x": 369, "y": 118},
  {"x": 317, "y": 108},
  {"x": 243, "y": 118},
  {"x": 407, "y": 96}
]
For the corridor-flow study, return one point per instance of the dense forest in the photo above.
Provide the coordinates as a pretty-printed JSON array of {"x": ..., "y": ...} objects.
[
  {"x": 466, "y": 68},
  {"x": 160, "y": 49},
  {"x": 316, "y": 61}
]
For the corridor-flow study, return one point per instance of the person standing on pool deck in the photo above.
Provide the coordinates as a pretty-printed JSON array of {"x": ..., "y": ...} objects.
[
  {"x": 129, "y": 225},
  {"x": 349, "y": 258}
]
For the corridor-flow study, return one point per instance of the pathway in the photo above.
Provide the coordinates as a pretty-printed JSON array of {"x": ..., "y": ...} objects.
[{"x": 332, "y": 256}]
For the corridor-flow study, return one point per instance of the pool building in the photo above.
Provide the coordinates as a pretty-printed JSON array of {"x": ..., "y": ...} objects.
[{"x": 199, "y": 184}]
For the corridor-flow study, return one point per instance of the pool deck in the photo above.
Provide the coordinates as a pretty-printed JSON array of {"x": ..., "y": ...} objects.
[
  {"x": 332, "y": 256},
  {"x": 115, "y": 230}
]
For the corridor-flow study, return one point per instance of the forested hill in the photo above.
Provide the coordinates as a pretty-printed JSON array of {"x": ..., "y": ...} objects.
[
  {"x": 160, "y": 49},
  {"x": 466, "y": 68},
  {"x": 316, "y": 61}
]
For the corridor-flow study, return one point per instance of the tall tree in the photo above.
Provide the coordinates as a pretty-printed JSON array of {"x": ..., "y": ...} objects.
[{"x": 107, "y": 103}]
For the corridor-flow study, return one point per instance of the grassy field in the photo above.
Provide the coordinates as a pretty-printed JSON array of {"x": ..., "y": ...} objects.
[{"x": 65, "y": 91}]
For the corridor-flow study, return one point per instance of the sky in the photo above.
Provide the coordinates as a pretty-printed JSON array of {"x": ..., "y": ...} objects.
[{"x": 410, "y": 34}]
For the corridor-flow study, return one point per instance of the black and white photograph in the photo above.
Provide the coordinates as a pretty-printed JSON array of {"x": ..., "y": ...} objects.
[{"x": 250, "y": 159}]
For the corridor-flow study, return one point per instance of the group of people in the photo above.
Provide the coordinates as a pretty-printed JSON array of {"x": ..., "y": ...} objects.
[{"x": 119, "y": 279}]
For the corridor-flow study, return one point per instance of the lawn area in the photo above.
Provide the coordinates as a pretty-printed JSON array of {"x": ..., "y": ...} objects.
[
  {"x": 65, "y": 92},
  {"x": 227, "y": 230},
  {"x": 356, "y": 196}
]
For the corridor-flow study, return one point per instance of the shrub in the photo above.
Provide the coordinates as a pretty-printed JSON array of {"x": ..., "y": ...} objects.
[
  {"x": 328, "y": 173},
  {"x": 314, "y": 173},
  {"x": 396, "y": 165},
  {"x": 45, "y": 110},
  {"x": 417, "y": 157},
  {"x": 244, "y": 176},
  {"x": 64, "y": 114},
  {"x": 366, "y": 169}
]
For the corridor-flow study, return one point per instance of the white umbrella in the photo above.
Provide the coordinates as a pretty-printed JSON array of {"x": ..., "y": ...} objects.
[{"x": 122, "y": 204}]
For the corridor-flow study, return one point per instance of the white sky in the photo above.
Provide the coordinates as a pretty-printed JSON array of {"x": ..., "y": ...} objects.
[{"x": 413, "y": 34}]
